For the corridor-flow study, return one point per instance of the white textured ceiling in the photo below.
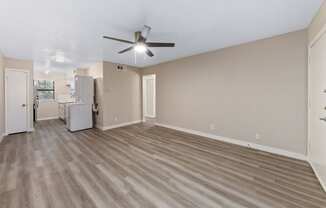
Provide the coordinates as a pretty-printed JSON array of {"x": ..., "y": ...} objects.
[{"x": 37, "y": 29}]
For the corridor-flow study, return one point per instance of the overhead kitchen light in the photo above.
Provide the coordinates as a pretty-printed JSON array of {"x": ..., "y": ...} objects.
[{"x": 59, "y": 57}]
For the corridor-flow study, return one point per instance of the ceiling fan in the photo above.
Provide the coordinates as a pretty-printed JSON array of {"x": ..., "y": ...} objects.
[{"x": 140, "y": 45}]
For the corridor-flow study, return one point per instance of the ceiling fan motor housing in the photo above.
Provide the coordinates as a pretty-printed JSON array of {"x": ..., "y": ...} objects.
[{"x": 139, "y": 38}]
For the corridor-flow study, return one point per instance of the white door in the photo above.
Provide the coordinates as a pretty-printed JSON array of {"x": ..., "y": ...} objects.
[
  {"x": 317, "y": 108},
  {"x": 149, "y": 96},
  {"x": 16, "y": 101}
]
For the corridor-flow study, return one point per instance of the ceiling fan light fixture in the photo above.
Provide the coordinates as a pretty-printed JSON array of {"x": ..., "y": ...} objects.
[{"x": 140, "y": 47}]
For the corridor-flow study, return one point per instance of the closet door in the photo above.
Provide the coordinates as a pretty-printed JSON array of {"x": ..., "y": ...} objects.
[{"x": 16, "y": 92}]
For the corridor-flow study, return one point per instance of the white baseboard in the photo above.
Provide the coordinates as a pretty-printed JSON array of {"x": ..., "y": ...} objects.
[
  {"x": 238, "y": 142},
  {"x": 323, "y": 185},
  {"x": 47, "y": 118},
  {"x": 104, "y": 128},
  {"x": 6, "y": 134}
]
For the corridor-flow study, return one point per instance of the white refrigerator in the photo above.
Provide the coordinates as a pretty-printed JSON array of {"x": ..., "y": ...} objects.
[{"x": 79, "y": 115}]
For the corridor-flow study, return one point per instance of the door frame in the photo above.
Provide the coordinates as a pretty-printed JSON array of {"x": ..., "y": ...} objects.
[
  {"x": 316, "y": 38},
  {"x": 144, "y": 78},
  {"x": 28, "y": 128}
]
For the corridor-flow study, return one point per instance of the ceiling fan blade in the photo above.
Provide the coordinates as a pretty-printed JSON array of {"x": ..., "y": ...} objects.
[
  {"x": 149, "y": 53},
  {"x": 127, "y": 49},
  {"x": 157, "y": 44},
  {"x": 117, "y": 39}
]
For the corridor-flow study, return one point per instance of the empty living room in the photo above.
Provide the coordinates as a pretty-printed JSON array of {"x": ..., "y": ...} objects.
[{"x": 163, "y": 104}]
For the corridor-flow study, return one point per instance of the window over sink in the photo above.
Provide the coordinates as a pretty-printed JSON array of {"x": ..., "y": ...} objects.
[{"x": 45, "y": 89}]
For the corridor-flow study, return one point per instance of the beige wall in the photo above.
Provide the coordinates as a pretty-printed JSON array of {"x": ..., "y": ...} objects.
[
  {"x": 259, "y": 87},
  {"x": 49, "y": 109},
  {"x": 81, "y": 71},
  {"x": 2, "y": 97},
  {"x": 122, "y": 95},
  {"x": 318, "y": 22},
  {"x": 26, "y": 65},
  {"x": 118, "y": 94}
]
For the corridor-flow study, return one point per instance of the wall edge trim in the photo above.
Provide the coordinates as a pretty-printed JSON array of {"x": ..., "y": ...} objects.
[
  {"x": 323, "y": 185},
  {"x": 48, "y": 118},
  {"x": 104, "y": 128}
]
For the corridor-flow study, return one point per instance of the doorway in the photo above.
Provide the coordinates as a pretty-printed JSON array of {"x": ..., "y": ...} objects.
[
  {"x": 16, "y": 100},
  {"x": 149, "y": 97}
]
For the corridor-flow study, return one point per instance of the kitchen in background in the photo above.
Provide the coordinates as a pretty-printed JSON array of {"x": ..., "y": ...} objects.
[{"x": 56, "y": 97}]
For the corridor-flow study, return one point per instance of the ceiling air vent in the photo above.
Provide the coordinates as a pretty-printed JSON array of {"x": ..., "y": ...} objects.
[{"x": 120, "y": 67}]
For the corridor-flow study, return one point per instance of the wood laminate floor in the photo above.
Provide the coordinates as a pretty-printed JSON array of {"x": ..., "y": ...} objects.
[{"x": 143, "y": 166}]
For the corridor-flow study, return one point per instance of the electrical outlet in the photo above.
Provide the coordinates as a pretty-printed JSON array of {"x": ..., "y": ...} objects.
[
  {"x": 257, "y": 136},
  {"x": 115, "y": 118},
  {"x": 212, "y": 127}
]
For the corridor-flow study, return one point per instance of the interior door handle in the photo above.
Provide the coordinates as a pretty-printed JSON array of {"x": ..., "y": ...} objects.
[
  {"x": 323, "y": 119},
  {"x": 23, "y": 105}
]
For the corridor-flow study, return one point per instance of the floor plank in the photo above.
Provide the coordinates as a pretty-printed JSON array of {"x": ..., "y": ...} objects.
[{"x": 147, "y": 166}]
